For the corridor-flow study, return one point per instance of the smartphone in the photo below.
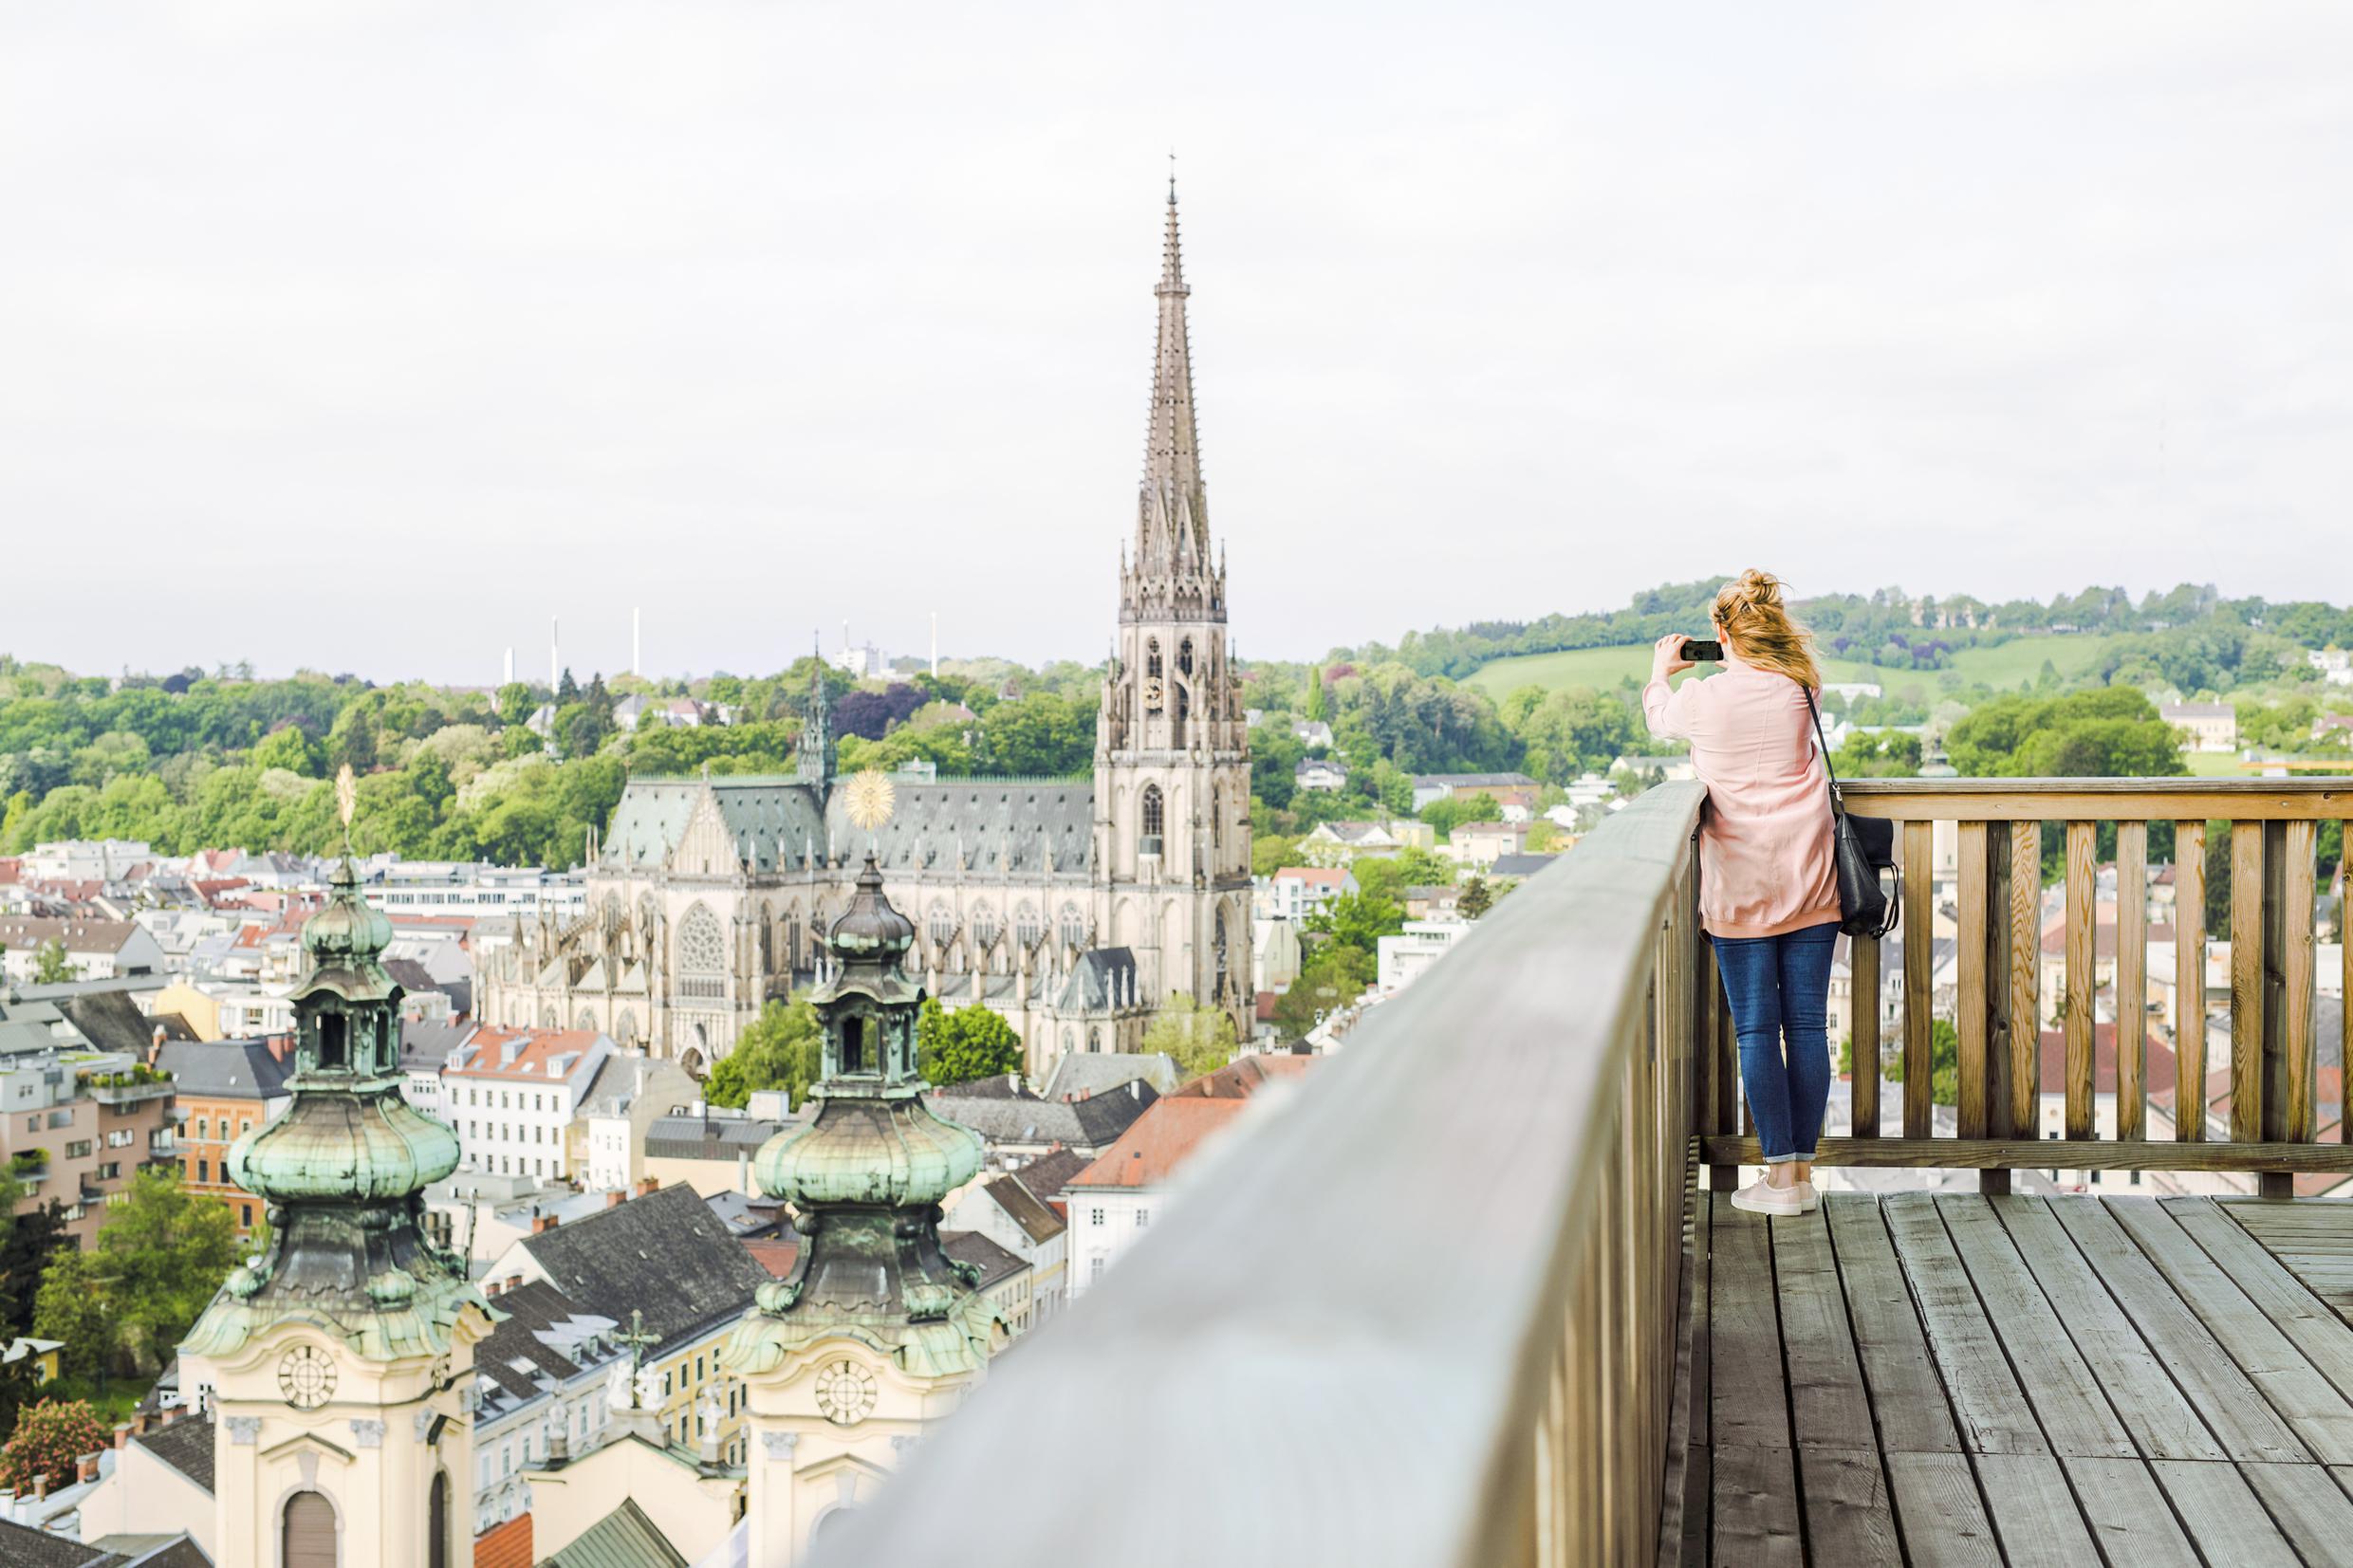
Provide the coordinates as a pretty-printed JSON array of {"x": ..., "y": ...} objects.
[{"x": 1703, "y": 652}]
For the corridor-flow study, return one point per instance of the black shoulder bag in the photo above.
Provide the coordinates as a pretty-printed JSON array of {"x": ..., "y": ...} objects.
[{"x": 1870, "y": 892}]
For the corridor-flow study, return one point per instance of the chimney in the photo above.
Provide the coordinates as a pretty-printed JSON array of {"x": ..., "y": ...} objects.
[
  {"x": 616, "y": 1198},
  {"x": 86, "y": 1468},
  {"x": 490, "y": 1287},
  {"x": 154, "y": 1045},
  {"x": 168, "y": 1416},
  {"x": 544, "y": 1223},
  {"x": 122, "y": 1434},
  {"x": 40, "y": 1488},
  {"x": 139, "y": 1422},
  {"x": 647, "y": 1186},
  {"x": 514, "y": 1281}
]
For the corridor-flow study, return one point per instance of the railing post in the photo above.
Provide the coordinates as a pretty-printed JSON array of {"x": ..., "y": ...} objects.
[
  {"x": 2081, "y": 928},
  {"x": 2026, "y": 979},
  {"x": 2246, "y": 983},
  {"x": 2132, "y": 987},
  {"x": 1919, "y": 973},
  {"x": 2190, "y": 981}
]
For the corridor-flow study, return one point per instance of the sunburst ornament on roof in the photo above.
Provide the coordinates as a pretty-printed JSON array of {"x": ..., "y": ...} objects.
[{"x": 871, "y": 798}]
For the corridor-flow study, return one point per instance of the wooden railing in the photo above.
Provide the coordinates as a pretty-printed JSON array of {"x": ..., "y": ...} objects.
[
  {"x": 1998, "y": 1011},
  {"x": 1425, "y": 1314}
]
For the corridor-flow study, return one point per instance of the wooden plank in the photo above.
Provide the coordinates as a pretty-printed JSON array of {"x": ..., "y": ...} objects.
[
  {"x": 2225, "y": 1519},
  {"x": 1748, "y": 1403},
  {"x": 1970, "y": 1019},
  {"x": 2246, "y": 981},
  {"x": 1920, "y": 909},
  {"x": 2297, "y": 977},
  {"x": 2098, "y": 800},
  {"x": 2189, "y": 980},
  {"x": 2126, "y": 1510},
  {"x": 2132, "y": 984},
  {"x": 2309, "y": 1324},
  {"x": 1991, "y": 1410},
  {"x": 2025, "y": 973},
  {"x": 1756, "y": 1508},
  {"x": 2034, "y": 1511},
  {"x": 1889, "y": 1342},
  {"x": 2059, "y": 1383},
  {"x": 2234, "y": 1408},
  {"x": 2102, "y": 1154},
  {"x": 2076, "y": 1023},
  {"x": 1943, "y": 1520},
  {"x": 2315, "y": 1409},
  {"x": 2311, "y": 1508},
  {"x": 2145, "y": 1397},
  {"x": 1827, "y": 1399},
  {"x": 1848, "y": 1519}
]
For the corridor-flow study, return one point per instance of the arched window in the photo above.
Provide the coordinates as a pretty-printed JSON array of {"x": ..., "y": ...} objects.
[
  {"x": 940, "y": 925},
  {"x": 1094, "y": 1040},
  {"x": 204, "y": 1171},
  {"x": 1184, "y": 656},
  {"x": 792, "y": 939},
  {"x": 1220, "y": 940},
  {"x": 984, "y": 927},
  {"x": 1069, "y": 1040},
  {"x": 1153, "y": 814},
  {"x": 586, "y": 1020},
  {"x": 332, "y": 1051},
  {"x": 703, "y": 954},
  {"x": 1073, "y": 926},
  {"x": 307, "y": 1536},
  {"x": 1027, "y": 927},
  {"x": 1218, "y": 814},
  {"x": 437, "y": 1522},
  {"x": 548, "y": 1017},
  {"x": 625, "y": 1026},
  {"x": 1152, "y": 658}
]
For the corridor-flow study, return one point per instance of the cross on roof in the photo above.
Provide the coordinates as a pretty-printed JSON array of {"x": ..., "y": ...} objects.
[{"x": 637, "y": 1340}]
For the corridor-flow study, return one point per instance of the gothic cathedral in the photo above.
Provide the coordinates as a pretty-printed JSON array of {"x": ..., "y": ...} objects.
[{"x": 1073, "y": 907}]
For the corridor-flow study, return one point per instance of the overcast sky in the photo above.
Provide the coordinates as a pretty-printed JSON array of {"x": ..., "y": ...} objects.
[{"x": 368, "y": 337}]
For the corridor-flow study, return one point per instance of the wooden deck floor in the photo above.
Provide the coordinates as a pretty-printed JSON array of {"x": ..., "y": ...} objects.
[{"x": 1935, "y": 1379}]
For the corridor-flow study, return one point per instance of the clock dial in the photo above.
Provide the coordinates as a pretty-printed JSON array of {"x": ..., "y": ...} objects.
[
  {"x": 846, "y": 1393},
  {"x": 306, "y": 1377},
  {"x": 1152, "y": 692}
]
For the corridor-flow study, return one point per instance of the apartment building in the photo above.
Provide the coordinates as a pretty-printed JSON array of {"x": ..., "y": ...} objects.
[{"x": 513, "y": 1094}]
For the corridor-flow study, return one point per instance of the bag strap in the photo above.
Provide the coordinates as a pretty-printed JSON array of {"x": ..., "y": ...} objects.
[{"x": 1837, "y": 806}]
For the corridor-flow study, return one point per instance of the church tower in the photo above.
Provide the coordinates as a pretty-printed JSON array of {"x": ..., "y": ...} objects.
[
  {"x": 341, "y": 1362},
  {"x": 875, "y": 1333},
  {"x": 1172, "y": 751}
]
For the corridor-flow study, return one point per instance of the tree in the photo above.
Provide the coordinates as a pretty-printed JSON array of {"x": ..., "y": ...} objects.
[
  {"x": 1357, "y": 920},
  {"x": 1944, "y": 1063},
  {"x": 50, "y": 965},
  {"x": 25, "y": 1244},
  {"x": 1447, "y": 815},
  {"x": 2110, "y": 731},
  {"x": 971, "y": 1043},
  {"x": 292, "y": 749},
  {"x": 1477, "y": 897},
  {"x": 47, "y": 1440},
  {"x": 1336, "y": 976},
  {"x": 158, "y": 1259},
  {"x": 1199, "y": 1038},
  {"x": 783, "y": 1048}
]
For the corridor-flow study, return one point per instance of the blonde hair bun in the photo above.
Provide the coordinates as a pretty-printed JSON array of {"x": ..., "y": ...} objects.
[{"x": 1760, "y": 631}]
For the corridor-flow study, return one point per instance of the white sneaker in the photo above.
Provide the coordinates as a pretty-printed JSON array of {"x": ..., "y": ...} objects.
[
  {"x": 1762, "y": 1197},
  {"x": 1809, "y": 1199}
]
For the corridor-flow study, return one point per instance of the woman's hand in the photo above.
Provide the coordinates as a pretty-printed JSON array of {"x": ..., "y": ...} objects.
[{"x": 1666, "y": 656}]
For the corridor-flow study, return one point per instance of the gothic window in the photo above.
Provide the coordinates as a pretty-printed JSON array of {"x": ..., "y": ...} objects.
[
  {"x": 940, "y": 925},
  {"x": 1027, "y": 927},
  {"x": 1073, "y": 926},
  {"x": 703, "y": 954},
  {"x": 585, "y": 1020},
  {"x": 1094, "y": 1040},
  {"x": 547, "y": 1018},
  {"x": 1221, "y": 939},
  {"x": 1218, "y": 814},
  {"x": 1068, "y": 1040},
  {"x": 1154, "y": 815},
  {"x": 1184, "y": 656},
  {"x": 984, "y": 927},
  {"x": 625, "y": 1026},
  {"x": 1152, "y": 658},
  {"x": 307, "y": 1539},
  {"x": 792, "y": 939}
]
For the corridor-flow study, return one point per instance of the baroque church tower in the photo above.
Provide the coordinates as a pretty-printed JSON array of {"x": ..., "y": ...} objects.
[{"x": 1172, "y": 750}]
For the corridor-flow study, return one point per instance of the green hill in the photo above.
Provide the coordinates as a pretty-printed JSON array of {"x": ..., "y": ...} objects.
[{"x": 2005, "y": 665}]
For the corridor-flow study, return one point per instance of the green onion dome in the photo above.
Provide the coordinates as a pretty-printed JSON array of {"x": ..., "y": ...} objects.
[{"x": 345, "y": 1147}]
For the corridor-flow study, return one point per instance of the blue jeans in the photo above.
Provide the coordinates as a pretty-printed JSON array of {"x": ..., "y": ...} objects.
[{"x": 1780, "y": 987}]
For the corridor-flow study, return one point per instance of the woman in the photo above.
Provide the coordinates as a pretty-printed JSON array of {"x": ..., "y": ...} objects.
[{"x": 1768, "y": 877}]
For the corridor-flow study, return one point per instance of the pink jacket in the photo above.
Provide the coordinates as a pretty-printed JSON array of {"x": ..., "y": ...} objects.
[{"x": 1766, "y": 863}]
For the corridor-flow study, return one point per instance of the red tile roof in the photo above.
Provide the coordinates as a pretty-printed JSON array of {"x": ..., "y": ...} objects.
[
  {"x": 1245, "y": 1076},
  {"x": 506, "y": 1545},
  {"x": 2157, "y": 1072},
  {"x": 482, "y": 1054},
  {"x": 775, "y": 1256},
  {"x": 1315, "y": 876},
  {"x": 1164, "y": 1138}
]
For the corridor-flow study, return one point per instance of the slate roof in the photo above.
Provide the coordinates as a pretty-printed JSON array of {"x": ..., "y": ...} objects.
[
  {"x": 412, "y": 977},
  {"x": 665, "y": 1254},
  {"x": 531, "y": 1310},
  {"x": 186, "y": 1444},
  {"x": 707, "y": 1138},
  {"x": 1099, "y": 976},
  {"x": 224, "y": 1069},
  {"x": 24, "y": 1547},
  {"x": 113, "y": 1022},
  {"x": 1045, "y": 1177},
  {"x": 425, "y": 1046},
  {"x": 1089, "y": 1123},
  {"x": 623, "y": 1538},
  {"x": 1093, "y": 1072},
  {"x": 1025, "y": 1208},
  {"x": 1520, "y": 865},
  {"x": 996, "y": 1263}
]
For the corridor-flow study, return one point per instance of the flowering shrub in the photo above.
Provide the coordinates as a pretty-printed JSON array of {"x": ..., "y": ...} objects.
[{"x": 49, "y": 1437}]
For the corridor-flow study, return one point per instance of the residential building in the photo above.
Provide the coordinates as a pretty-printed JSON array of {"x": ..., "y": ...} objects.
[
  {"x": 226, "y": 1088},
  {"x": 1016, "y": 1126},
  {"x": 666, "y": 1255},
  {"x": 95, "y": 950},
  {"x": 540, "y": 1376},
  {"x": 76, "y": 1126},
  {"x": 1506, "y": 789},
  {"x": 1312, "y": 732},
  {"x": 631, "y": 1091},
  {"x": 1484, "y": 843},
  {"x": 1078, "y": 1076},
  {"x": 708, "y": 1148},
  {"x": 1404, "y": 958},
  {"x": 513, "y": 1095},
  {"x": 1274, "y": 953},
  {"x": 1113, "y": 1202},
  {"x": 2205, "y": 726},
  {"x": 401, "y": 888},
  {"x": 86, "y": 859},
  {"x": 1326, "y": 774},
  {"x": 2335, "y": 664},
  {"x": 1005, "y": 1211},
  {"x": 1336, "y": 843},
  {"x": 1294, "y": 893},
  {"x": 1005, "y": 1279}
]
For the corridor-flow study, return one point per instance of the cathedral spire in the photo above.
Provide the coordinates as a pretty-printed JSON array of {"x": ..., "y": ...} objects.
[{"x": 1173, "y": 522}]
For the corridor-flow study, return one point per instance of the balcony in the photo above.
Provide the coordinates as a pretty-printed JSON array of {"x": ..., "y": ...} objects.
[
  {"x": 1476, "y": 1296},
  {"x": 120, "y": 1089}
]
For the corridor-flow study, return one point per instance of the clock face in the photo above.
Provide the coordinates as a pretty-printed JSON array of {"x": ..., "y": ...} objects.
[
  {"x": 306, "y": 1377},
  {"x": 1152, "y": 692},
  {"x": 845, "y": 1392}
]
